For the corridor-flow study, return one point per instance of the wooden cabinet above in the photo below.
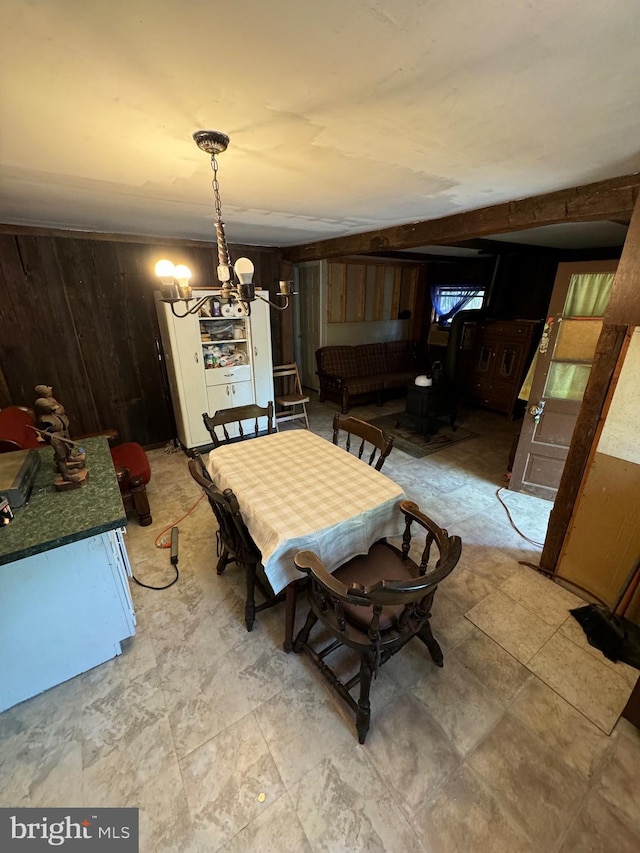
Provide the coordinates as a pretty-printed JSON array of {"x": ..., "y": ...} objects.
[{"x": 503, "y": 353}]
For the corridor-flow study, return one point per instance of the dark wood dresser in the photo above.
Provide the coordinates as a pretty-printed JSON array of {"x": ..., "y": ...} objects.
[{"x": 502, "y": 356}]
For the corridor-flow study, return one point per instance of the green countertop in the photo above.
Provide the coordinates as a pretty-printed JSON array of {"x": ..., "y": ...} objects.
[{"x": 52, "y": 519}]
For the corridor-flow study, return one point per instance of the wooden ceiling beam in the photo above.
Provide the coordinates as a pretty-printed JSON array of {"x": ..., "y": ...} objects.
[{"x": 611, "y": 199}]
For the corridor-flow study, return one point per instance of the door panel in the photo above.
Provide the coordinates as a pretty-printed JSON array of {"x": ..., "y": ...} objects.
[
  {"x": 577, "y": 339},
  {"x": 310, "y": 318},
  {"x": 580, "y": 295},
  {"x": 545, "y": 472},
  {"x": 555, "y": 427}
]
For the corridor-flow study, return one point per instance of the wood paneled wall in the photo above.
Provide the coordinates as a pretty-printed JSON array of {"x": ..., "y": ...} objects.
[
  {"x": 79, "y": 313},
  {"x": 361, "y": 291}
]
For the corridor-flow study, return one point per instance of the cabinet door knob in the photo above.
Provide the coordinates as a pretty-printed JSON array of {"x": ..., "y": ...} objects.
[
  {"x": 233, "y": 389},
  {"x": 195, "y": 355},
  {"x": 227, "y": 390}
]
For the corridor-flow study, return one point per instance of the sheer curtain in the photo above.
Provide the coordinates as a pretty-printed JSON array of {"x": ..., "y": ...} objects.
[
  {"x": 588, "y": 294},
  {"x": 449, "y": 299}
]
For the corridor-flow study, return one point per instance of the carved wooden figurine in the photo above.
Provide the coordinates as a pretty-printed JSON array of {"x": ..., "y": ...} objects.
[{"x": 53, "y": 426}]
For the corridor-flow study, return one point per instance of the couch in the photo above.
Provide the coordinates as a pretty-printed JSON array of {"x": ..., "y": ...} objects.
[{"x": 350, "y": 374}]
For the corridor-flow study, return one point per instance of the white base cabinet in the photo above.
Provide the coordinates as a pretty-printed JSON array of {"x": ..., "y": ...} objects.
[
  {"x": 229, "y": 396},
  {"x": 62, "y": 612},
  {"x": 215, "y": 362}
]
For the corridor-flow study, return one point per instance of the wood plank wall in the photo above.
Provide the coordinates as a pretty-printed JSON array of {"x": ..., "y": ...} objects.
[
  {"x": 79, "y": 314},
  {"x": 363, "y": 290}
]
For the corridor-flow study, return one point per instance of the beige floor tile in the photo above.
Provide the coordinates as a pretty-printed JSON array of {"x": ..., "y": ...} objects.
[
  {"x": 205, "y": 696},
  {"x": 533, "y": 784},
  {"x": 463, "y": 707},
  {"x": 137, "y": 659},
  {"x": 492, "y": 563},
  {"x": 121, "y": 774},
  {"x": 499, "y": 671},
  {"x": 448, "y": 622},
  {"x": 302, "y": 726},
  {"x": 276, "y": 830},
  {"x": 165, "y": 822},
  {"x": 620, "y": 783},
  {"x": 571, "y": 735},
  {"x": 512, "y": 626},
  {"x": 343, "y": 806},
  {"x": 467, "y": 587},
  {"x": 410, "y": 751},
  {"x": 465, "y": 816},
  {"x": 411, "y": 663},
  {"x": 598, "y": 829},
  {"x": 32, "y": 775},
  {"x": 114, "y": 720},
  {"x": 541, "y": 596},
  {"x": 625, "y": 728},
  {"x": 585, "y": 682},
  {"x": 224, "y": 780},
  {"x": 573, "y": 631}
]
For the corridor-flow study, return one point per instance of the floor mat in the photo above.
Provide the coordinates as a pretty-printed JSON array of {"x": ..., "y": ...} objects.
[{"x": 403, "y": 428}]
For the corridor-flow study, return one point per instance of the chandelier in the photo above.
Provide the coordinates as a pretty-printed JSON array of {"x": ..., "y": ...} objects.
[{"x": 236, "y": 280}]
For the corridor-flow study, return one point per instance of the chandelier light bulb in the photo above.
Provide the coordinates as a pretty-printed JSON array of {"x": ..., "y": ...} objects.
[
  {"x": 165, "y": 269},
  {"x": 182, "y": 273},
  {"x": 244, "y": 268}
]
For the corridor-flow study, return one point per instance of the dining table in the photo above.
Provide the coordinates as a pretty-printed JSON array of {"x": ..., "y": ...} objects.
[{"x": 298, "y": 491}]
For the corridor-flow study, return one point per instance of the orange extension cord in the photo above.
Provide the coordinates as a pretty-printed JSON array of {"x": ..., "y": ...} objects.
[{"x": 159, "y": 543}]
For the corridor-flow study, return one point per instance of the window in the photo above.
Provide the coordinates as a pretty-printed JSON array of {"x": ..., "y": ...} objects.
[{"x": 448, "y": 299}]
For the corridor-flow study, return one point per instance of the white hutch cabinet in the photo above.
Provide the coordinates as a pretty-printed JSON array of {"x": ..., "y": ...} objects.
[{"x": 215, "y": 362}]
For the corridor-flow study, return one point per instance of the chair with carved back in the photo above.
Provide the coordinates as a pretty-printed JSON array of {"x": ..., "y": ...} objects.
[
  {"x": 381, "y": 443},
  {"x": 234, "y": 541},
  {"x": 291, "y": 401},
  {"x": 376, "y": 603},
  {"x": 223, "y": 418}
]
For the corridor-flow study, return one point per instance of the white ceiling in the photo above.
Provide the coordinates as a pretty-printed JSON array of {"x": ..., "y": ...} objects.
[{"x": 343, "y": 116}]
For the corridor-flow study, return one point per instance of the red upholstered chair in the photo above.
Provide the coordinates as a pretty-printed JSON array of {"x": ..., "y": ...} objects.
[
  {"x": 133, "y": 472},
  {"x": 129, "y": 459},
  {"x": 15, "y": 429}
]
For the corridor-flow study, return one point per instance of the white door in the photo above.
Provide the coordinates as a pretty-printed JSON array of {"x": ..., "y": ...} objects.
[{"x": 262, "y": 360}]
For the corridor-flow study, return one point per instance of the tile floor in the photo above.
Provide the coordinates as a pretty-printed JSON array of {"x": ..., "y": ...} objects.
[{"x": 226, "y": 743}]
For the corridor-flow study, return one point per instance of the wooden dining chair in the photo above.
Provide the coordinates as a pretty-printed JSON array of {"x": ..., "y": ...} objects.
[
  {"x": 374, "y": 604},
  {"x": 291, "y": 402},
  {"x": 234, "y": 541},
  {"x": 368, "y": 434},
  {"x": 236, "y": 415}
]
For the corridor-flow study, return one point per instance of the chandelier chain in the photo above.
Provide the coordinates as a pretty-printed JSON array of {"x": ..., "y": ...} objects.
[{"x": 223, "y": 249}]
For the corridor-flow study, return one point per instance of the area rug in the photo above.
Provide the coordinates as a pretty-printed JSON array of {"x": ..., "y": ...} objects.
[{"x": 415, "y": 444}]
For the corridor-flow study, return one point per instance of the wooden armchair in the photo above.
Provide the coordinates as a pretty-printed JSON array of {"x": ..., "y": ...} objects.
[
  {"x": 235, "y": 542},
  {"x": 129, "y": 459},
  {"x": 236, "y": 415},
  {"x": 375, "y": 604},
  {"x": 381, "y": 442}
]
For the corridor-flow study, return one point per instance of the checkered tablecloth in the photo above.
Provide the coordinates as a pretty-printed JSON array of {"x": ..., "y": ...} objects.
[{"x": 297, "y": 490}]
